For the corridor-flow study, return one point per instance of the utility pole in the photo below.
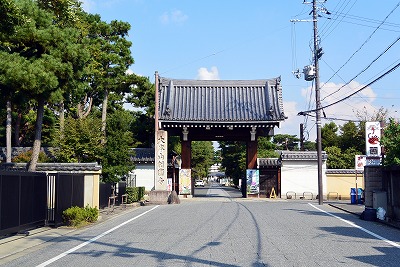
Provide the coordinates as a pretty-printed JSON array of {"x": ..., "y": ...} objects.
[
  {"x": 311, "y": 72},
  {"x": 301, "y": 137},
  {"x": 318, "y": 104}
]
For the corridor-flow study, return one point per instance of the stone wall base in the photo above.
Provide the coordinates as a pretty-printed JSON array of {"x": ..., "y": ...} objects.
[{"x": 159, "y": 196}]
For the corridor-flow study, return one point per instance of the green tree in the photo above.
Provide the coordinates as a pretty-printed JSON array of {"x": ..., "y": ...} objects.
[
  {"x": 217, "y": 156},
  {"x": 310, "y": 146},
  {"x": 335, "y": 158},
  {"x": 286, "y": 142},
  {"x": 10, "y": 18},
  {"x": 141, "y": 96},
  {"x": 40, "y": 58},
  {"x": 391, "y": 140},
  {"x": 174, "y": 144},
  {"x": 116, "y": 159},
  {"x": 233, "y": 155},
  {"x": 351, "y": 136},
  {"x": 111, "y": 57},
  {"x": 339, "y": 159},
  {"x": 202, "y": 157},
  {"x": 80, "y": 140},
  {"x": 329, "y": 135},
  {"x": 265, "y": 148}
]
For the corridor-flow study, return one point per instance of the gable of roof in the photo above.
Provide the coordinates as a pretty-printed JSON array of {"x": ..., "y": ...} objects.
[{"x": 220, "y": 101}]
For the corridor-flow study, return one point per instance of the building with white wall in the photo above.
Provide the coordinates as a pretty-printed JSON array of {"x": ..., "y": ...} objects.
[
  {"x": 300, "y": 173},
  {"x": 143, "y": 174}
]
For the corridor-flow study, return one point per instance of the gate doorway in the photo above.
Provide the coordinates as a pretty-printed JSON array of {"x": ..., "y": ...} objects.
[
  {"x": 269, "y": 183},
  {"x": 213, "y": 110},
  {"x": 270, "y": 177}
]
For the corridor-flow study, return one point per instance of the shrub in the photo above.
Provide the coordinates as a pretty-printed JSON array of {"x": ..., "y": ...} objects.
[
  {"x": 92, "y": 214},
  {"x": 135, "y": 194},
  {"x": 25, "y": 157},
  {"x": 76, "y": 216}
]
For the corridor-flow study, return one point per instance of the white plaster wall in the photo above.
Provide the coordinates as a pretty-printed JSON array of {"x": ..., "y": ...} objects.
[
  {"x": 145, "y": 176},
  {"x": 89, "y": 192},
  {"x": 301, "y": 176}
]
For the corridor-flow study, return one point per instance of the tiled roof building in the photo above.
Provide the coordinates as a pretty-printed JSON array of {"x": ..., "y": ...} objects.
[{"x": 223, "y": 104}]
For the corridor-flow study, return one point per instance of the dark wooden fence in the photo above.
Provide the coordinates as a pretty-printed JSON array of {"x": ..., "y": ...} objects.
[
  {"x": 106, "y": 191},
  {"x": 22, "y": 201},
  {"x": 64, "y": 191},
  {"x": 34, "y": 199},
  {"x": 391, "y": 185}
]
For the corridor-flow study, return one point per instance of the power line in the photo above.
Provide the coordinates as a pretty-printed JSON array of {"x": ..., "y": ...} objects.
[
  {"x": 359, "y": 90},
  {"x": 367, "y": 67},
  {"x": 368, "y": 20},
  {"x": 337, "y": 24},
  {"x": 344, "y": 82},
  {"x": 335, "y": 119},
  {"x": 366, "y": 41}
]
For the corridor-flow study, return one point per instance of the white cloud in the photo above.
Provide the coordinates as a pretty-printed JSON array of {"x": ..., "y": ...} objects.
[
  {"x": 204, "y": 74},
  {"x": 173, "y": 16},
  {"x": 292, "y": 124},
  {"x": 88, "y": 5},
  {"x": 338, "y": 113}
]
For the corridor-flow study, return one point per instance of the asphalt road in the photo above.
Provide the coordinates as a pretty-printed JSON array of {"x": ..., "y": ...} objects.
[{"x": 217, "y": 229}]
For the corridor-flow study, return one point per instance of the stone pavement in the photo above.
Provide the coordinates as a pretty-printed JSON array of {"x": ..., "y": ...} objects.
[{"x": 14, "y": 246}]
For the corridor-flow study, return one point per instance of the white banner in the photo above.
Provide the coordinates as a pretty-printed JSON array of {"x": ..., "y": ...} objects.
[
  {"x": 373, "y": 138},
  {"x": 360, "y": 161}
]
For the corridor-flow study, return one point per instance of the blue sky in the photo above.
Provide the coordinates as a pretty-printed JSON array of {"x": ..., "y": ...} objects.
[{"x": 244, "y": 40}]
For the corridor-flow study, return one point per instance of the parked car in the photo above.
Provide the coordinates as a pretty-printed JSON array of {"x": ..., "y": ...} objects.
[{"x": 199, "y": 183}]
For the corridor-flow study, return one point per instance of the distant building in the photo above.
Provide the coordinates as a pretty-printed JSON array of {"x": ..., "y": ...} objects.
[
  {"x": 215, "y": 173},
  {"x": 143, "y": 174}
]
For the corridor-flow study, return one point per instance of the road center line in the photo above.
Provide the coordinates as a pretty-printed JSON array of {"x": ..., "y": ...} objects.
[
  {"x": 93, "y": 239},
  {"x": 394, "y": 244}
]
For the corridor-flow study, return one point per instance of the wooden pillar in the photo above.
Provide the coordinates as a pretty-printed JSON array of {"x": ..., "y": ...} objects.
[
  {"x": 251, "y": 162},
  {"x": 252, "y": 155},
  {"x": 186, "y": 154}
]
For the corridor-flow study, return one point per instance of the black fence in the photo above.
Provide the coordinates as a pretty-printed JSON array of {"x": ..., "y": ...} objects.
[
  {"x": 391, "y": 185},
  {"x": 64, "y": 191},
  {"x": 22, "y": 201},
  {"x": 106, "y": 191}
]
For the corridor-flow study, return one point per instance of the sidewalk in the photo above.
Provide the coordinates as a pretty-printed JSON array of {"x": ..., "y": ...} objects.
[
  {"x": 357, "y": 209},
  {"x": 15, "y": 246}
]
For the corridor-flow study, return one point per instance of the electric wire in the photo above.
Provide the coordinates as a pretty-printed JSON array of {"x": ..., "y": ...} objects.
[
  {"x": 294, "y": 52},
  {"x": 335, "y": 119},
  {"x": 323, "y": 33},
  {"x": 360, "y": 96},
  {"x": 367, "y": 67},
  {"x": 369, "y": 26},
  {"x": 368, "y": 20},
  {"x": 366, "y": 41},
  {"x": 359, "y": 90}
]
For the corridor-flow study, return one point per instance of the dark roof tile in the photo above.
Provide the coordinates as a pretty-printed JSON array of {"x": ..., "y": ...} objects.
[{"x": 220, "y": 100}]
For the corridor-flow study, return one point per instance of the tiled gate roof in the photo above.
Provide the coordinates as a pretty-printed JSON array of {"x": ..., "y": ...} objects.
[{"x": 219, "y": 101}]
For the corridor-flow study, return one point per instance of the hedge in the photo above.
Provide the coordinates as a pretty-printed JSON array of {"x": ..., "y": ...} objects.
[{"x": 135, "y": 194}]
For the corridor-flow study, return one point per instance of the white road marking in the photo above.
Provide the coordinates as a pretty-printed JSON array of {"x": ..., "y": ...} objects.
[
  {"x": 394, "y": 244},
  {"x": 93, "y": 239}
]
